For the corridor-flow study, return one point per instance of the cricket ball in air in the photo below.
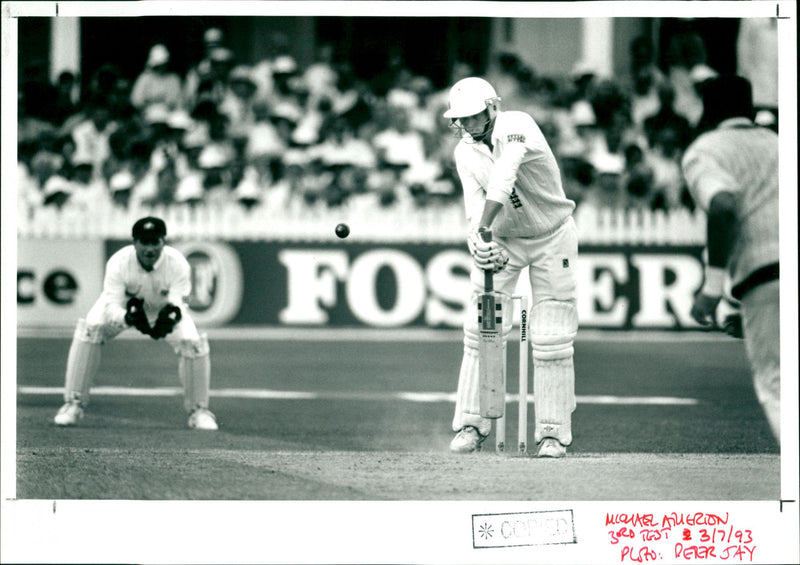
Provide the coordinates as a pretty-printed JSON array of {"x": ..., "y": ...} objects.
[{"x": 342, "y": 230}]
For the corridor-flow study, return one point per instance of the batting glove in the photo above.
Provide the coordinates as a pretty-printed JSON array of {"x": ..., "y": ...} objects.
[
  {"x": 168, "y": 317},
  {"x": 733, "y": 325},
  {"x": 135, "y": 316},
  {"x": 486, "y": 256}
]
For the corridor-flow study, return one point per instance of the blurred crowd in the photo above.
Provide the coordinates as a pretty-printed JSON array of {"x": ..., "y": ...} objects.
[{"x": 273, "y": 135}]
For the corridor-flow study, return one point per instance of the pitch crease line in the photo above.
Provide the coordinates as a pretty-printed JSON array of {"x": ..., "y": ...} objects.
[{"x": 421, "y": 397}]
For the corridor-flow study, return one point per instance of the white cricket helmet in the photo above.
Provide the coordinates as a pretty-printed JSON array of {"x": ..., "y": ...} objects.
[{"x": 470, "y": 96}]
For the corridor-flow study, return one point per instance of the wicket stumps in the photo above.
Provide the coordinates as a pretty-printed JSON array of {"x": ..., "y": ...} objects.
[{"x": 522, "y": 426}]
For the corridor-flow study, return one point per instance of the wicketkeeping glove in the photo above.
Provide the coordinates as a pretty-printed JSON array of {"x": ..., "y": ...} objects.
[
  {"x": 168, "y": 317},
  {"x": 486, "y": 256},
  {"x": 135, "y": 316}
]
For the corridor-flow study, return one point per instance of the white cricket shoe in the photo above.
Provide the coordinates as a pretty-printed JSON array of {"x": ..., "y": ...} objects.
[
  {"x": 203, "y": 419},
  {"x": 467, "y": 440},
  {"x": 69, "y": 414},
  {"x": 551, "y": 447}
]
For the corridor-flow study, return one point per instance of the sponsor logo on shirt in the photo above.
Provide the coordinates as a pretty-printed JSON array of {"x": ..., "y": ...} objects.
[{"x": 516, "y": 137}]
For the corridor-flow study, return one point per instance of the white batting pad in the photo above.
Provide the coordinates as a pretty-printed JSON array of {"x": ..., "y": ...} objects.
[{"x": 554, "y": 325}]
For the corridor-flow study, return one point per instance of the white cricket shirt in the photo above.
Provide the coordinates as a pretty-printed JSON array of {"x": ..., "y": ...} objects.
[
  {"x": 740, "y": 158},
  {"x": 168, "y": 282},
  {"x": 520, "y": 172}
]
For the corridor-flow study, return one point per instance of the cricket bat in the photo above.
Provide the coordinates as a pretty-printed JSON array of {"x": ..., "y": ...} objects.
[{"x": 491, "y": 368}]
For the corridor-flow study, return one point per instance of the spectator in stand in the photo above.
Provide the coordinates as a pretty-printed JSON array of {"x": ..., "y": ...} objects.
[
  {"x": 688, "y": 68},
  {"x": 664, "y": 161},
  {"x": 643, "y": 61},
  {"x": 120, "y": 186},
  {"x": 237, "y": 103},
  {"x": 92, "y": 135},
  {"x": 308, "y": 129},
  {"x": 397, "y": 144},
  {"x": 38, "y": 93},
  {"x": 347, "y": 157},
  {"x": 215, "y": 163},
  {"x": 101, "y": 83},
  {"x": 351, "y": 99},
  {"x": 213, "y": 38},
  {"x": 320, "y": 77},
  {"x": 157, "y": 84},
  {"x": 606, "y": 190},
  {"x": 264, "y": 145},
  {"x": 637, "y": 180},
  {"x": 667, "y": 120},
  {"x": 278, "y": 59},
  {"x": 90, "y": 192},
  {"x": 213, "y": 85},
  {"x": 503, "y": 74},
  {"x": 757, "y": 58},
  {"x": 424, "y": 113},
  {"x": 403, "y": 149},
  {"x": 341, "y": 147},
  {"x": 67, "y": 97},
  {"x": 57, "y": 191},
  {"x": 145, "y": 174},
  {"x": 647, "y": 80},
  {"x": 43, "y": 165},
  {"x": 395, "y": 73},
  {"x": 119, "y": 100}
]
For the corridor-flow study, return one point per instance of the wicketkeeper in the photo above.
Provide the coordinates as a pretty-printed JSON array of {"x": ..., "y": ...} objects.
[
  {"x": 512, "y": 185},
  {"x": 144, "y": 288}
]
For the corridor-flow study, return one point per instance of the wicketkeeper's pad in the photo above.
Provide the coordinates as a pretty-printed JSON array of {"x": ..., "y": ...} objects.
[{"x": 194, "y": 371}]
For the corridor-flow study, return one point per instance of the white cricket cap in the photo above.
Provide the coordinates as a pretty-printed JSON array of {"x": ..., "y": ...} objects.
[
  {"x": 122, "y": 180},
  {"x": 582, "y": 114},
  {"x": 469, "y": 96},
  {"x": 56, "y": 184},
  {"x": 196, "y": 136},
  {"x": 190, "y": 187},
  {"x": 212, "y": 36},
  {"x": 284, "y": 64},
  {"x": 608, "y": 163},
  {"x": 159, "y": 55},
  {"x": 701, "y": 73},
  {"x": 213, "y": 156},
  {"x": 180, "y": 119},
  {"x": 156, "y": 113}
]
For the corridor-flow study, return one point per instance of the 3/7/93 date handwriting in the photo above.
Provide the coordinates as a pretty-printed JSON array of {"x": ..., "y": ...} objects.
[{"x": 695, "y": 536}]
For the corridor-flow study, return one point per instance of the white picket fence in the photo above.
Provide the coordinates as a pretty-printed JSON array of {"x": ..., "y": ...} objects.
[{"x": 437, "y": 224}]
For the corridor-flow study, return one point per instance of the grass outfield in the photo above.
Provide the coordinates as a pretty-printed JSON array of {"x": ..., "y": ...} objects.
[{"x": 355, "y": 419}]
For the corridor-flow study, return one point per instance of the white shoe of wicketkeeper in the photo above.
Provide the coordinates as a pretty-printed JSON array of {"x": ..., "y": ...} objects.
[
  {"x": 467, "y": 440},
  {"x": 69, "y": 414},
  {"x": 551, "y": 447},
  {"x": 203, "y": 419}
]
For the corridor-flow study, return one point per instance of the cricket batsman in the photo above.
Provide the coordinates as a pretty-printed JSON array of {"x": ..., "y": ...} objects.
[
  {"x": 731, "y": 171},
  {"x": 144, "y": 288},
  {"x": 512, "y": 187}
]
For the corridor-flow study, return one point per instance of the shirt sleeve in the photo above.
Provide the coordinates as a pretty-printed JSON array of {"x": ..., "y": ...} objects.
[
  {"x": 181, "y": 285},
  {"x": 517, "y": 136},
  {"x": 474, "y": 195},
  {"x": 704, "y": 176},
  {"x": 114, "y": 290}
]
